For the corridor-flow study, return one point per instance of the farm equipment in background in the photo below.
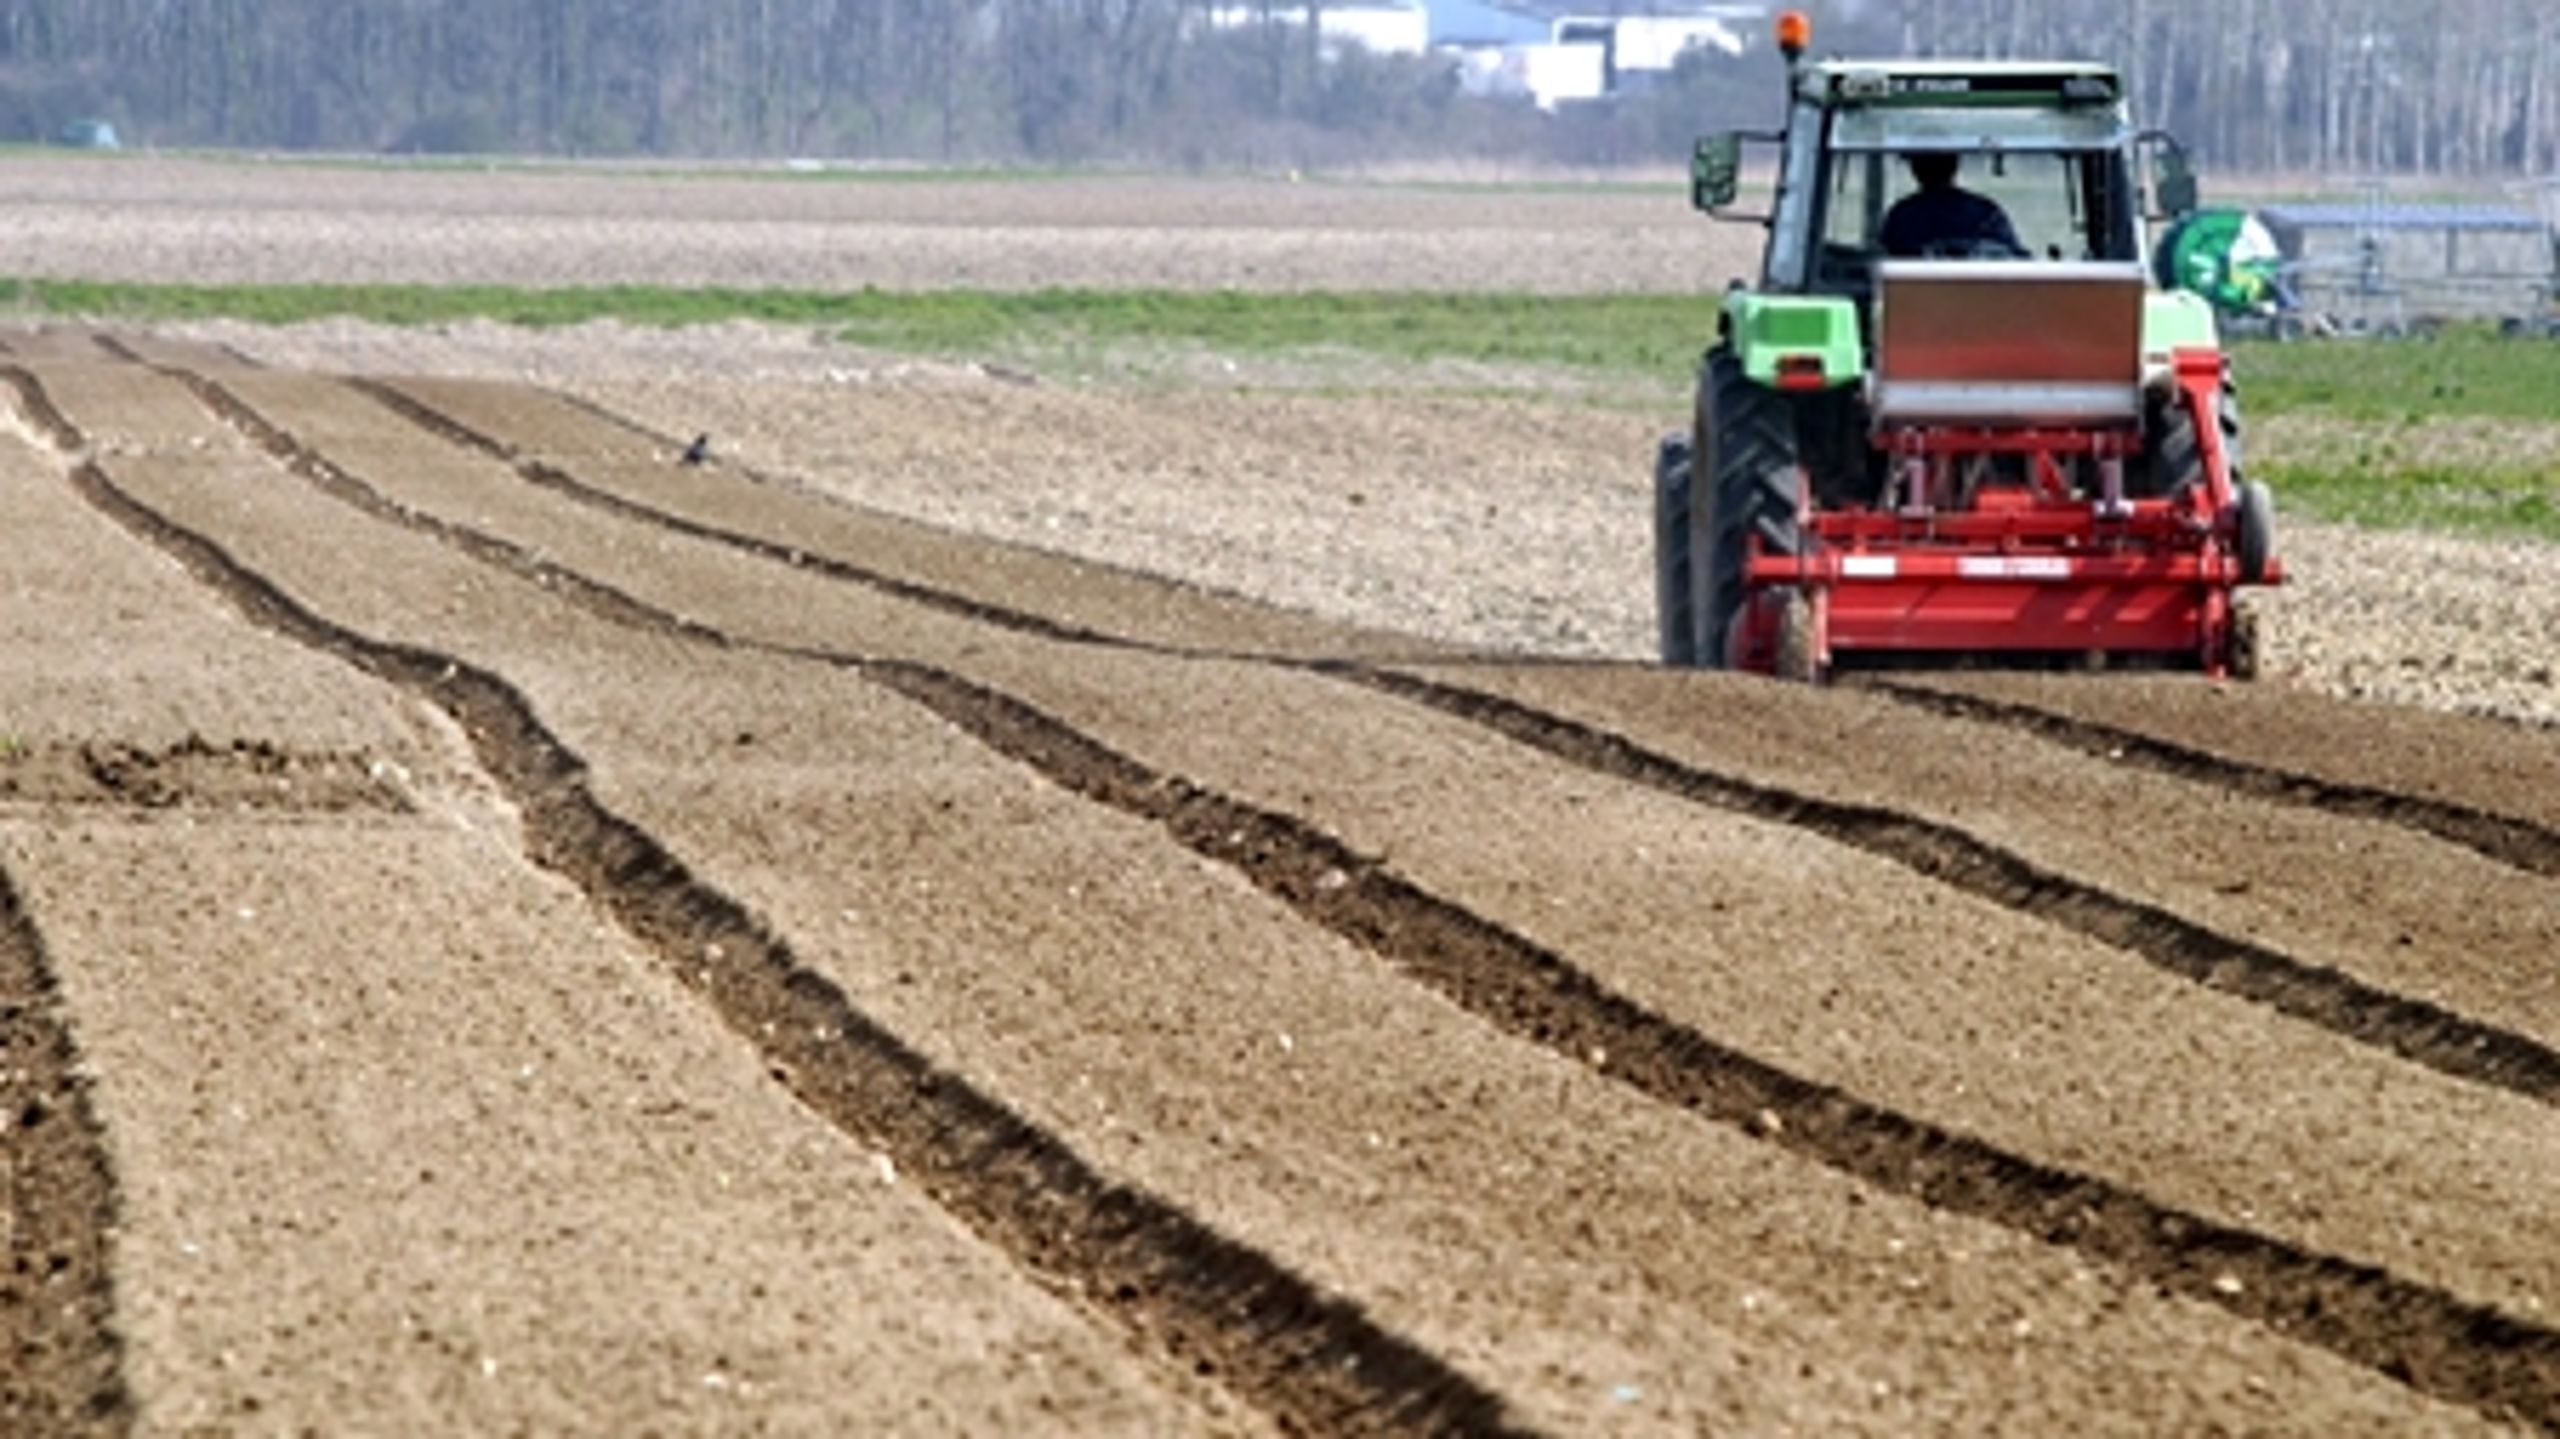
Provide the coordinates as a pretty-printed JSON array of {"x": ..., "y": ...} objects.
[
  {"x": 2232, "y": 259},
  {"x": 2374, "y": 267},
  {"x": 1968, "y": 456}
]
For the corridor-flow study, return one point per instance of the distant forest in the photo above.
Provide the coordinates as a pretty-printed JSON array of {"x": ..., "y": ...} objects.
[{"x": 2431, "y": 87}]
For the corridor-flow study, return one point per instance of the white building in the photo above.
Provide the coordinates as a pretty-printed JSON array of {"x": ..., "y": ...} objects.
[
  {"x": 1656, "y": 42},
  {"x": 1534, "y": 49},
  {"x": 1548, "y": 74},
  {"x": 1590, "y": 56},
  {"x": 1384, "y": 27}
]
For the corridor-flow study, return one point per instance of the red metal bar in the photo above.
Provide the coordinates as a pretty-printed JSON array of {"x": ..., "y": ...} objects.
[
  {"x": 2155, "y": 617},
  {"x": 2199, "y": 374},
  {"x": 1944, "y": 567},
  {"x": 2149, "y": 521},
  {"x": 1981, "y": 440}
]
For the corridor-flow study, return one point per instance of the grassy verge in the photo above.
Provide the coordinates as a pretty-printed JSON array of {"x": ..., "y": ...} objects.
[
  {"x": 2460, "y": 433},
  {"x": 2422, "y": 497},
  {"x": 2461, "y": 373},
  {"x": 1639, "y": 336}
]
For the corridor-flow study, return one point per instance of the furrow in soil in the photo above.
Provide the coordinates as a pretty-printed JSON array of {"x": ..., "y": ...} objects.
[
  {"x": 2418, "y": 1026},
  {"x": 239, "y": 777},
  {"x": 2416, "y": 1029},
  {"x": 61, "y": 1357},
  {"x": 2534, "y": 848},
  {"x": 1197, "y": 1299},
  {"x": 961, "y": 574},
  {"x": 1567, "y": 1279},
  {"x": 407, "y": 1136},
  {"x": 2464, "y": 763}
]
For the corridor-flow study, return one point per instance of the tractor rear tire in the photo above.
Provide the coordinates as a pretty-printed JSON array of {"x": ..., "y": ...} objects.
[
  {"x": 1744, "y": 482},
  {"x": 2176, "y": 452},
  {"x": 1672, "y": 587}
]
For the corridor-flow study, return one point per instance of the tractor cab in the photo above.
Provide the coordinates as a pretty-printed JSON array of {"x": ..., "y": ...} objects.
[
  {"x": 2049, "y": 144},
  {"x": 2060, "y": 179}
]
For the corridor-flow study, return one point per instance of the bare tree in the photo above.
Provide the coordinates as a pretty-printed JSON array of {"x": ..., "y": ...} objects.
[{"x": 2434, "y": 87}]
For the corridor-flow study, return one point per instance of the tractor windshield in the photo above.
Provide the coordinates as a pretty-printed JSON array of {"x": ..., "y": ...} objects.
[{"x": 2058, "y": 179}]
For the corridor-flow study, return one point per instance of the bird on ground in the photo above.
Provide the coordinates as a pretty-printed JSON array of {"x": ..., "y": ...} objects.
[{"x": 698, "y": 451}]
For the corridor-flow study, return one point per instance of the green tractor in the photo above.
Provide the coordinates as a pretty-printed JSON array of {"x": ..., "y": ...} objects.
[{"x": 1953, "y": 419}]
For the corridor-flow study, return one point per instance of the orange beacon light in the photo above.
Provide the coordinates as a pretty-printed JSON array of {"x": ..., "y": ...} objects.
[{"x": 1795, "y": 33}]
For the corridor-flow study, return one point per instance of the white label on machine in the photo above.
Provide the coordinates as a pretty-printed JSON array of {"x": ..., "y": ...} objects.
[
  {"x": 1869, "y": 567},
  {"x": 2013, "y": 567}
]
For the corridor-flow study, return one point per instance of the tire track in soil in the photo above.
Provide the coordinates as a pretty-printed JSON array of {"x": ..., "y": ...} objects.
[
  {"x": 2411, "y": 1332},
  {"x": 552, "y": 477},
  {"x": 2417, "y": 1030},
  {"x": 544, "y": 475},
  {"x": 2517, "y": 843},
  {"x": 173, "y": 351},
  {"x": 1197, "y": 1300},
  {"x": 195, "y": 774},
  {"x": 61, "y": 1358}
]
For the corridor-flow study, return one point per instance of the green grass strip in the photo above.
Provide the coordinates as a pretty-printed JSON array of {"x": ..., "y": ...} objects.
[
  {"x": 1649, "y": 336},
  {"x": 2381, "y": 495},
  {"x": 1656, "y": 338},
  {"x": 2470, "y": 372}
]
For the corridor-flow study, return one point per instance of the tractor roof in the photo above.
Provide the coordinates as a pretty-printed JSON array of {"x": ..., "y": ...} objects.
[
  {"x": 2024, "y": 83},
  {"x": 1978, "y": 128},
  {"x": 1839, "y": 65}
]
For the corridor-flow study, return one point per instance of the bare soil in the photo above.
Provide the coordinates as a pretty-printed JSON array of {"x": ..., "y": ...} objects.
[
  {"x": 523, "y": 1083},
  {"x": 998, "y": 906},
  {"x": 184, "y": 221}
]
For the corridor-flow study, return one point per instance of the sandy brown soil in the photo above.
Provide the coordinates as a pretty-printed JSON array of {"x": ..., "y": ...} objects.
[
  {"x": 378, "y": 1092},
  {"x": 1318, "y": 496},
  {"x": 2209, "y": 855},
  {"x": 191, "y": 221},
  {"x": 1001, "y": 905},
  {"x": 741, "y": 961},
  {"x": 1514, "y": 522}
]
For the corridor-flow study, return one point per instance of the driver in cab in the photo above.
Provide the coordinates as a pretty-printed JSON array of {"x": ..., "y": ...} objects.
[{"x": 1944, "y": 218}]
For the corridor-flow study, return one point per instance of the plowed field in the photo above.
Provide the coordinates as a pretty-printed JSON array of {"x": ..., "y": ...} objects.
[{"x": 502, "y": 929}]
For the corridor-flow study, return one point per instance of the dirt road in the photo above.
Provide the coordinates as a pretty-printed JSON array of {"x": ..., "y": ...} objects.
[{"x": 506, "y": 930}]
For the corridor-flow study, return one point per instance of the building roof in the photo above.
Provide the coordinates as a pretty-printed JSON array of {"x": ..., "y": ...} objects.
[
  {"x": 1478, "y": 22},
  {"x": 2403, "y": 217},
  {"x": 1956, "y": 69},
  {"x": 1531, "y": 22}
]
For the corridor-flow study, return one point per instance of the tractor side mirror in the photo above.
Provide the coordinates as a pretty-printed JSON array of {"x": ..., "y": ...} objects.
[
  {"x": 1715, "y": 171},
  {"x": 2178, "y": 192},
  {"x": 2174, "y": 190}
]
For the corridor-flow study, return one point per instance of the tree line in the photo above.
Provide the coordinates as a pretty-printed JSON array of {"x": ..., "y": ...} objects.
[
  {"x": 2421, "y": 87},
  {"x": 2436, "y": 87},
  {"x": 944, "y": 80}
]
